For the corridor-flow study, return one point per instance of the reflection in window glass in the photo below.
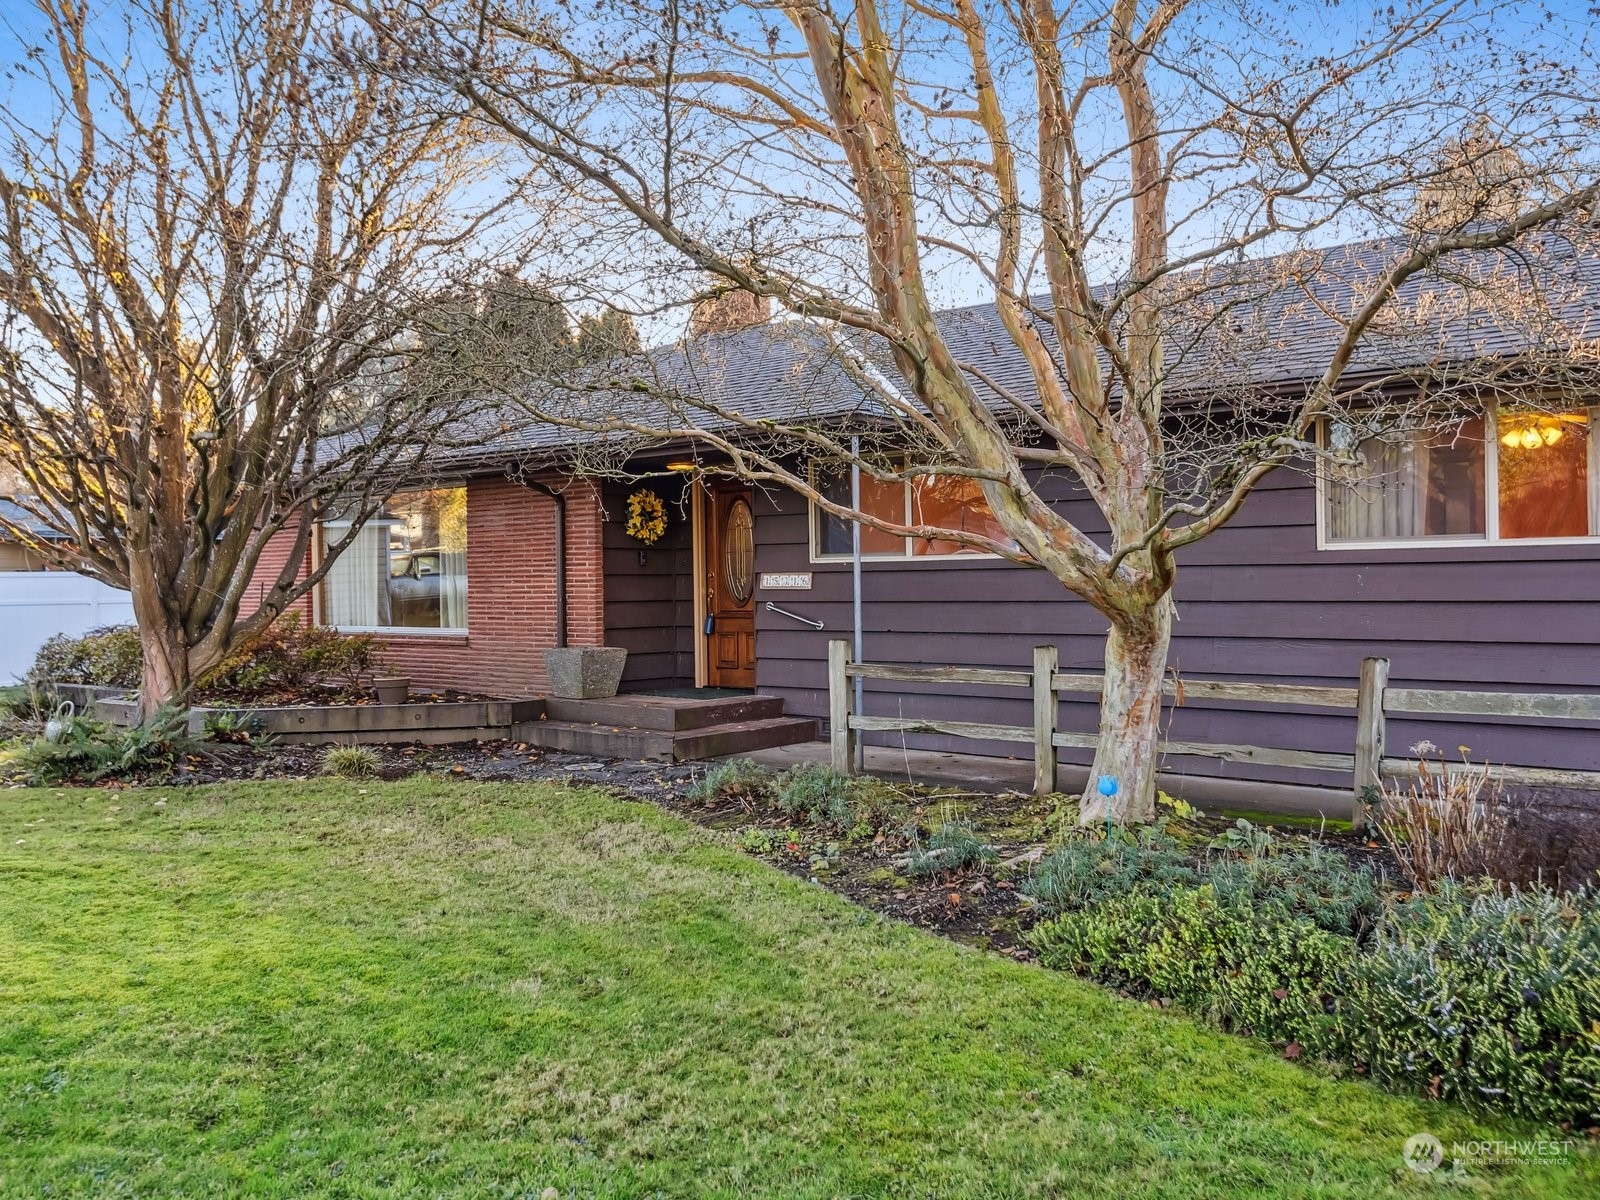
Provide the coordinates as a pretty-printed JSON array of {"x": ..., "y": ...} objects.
[
  {"x": 1432, "y": 484},
  {"x": 1411, "y": 485},
  {"x": 1544, "y": 475},
  {"x": 406, "y": 569},
  {"x": 952, "y": 502},
  {"x": 879, "y": 499},
  {"x": 949, "y": 501}
]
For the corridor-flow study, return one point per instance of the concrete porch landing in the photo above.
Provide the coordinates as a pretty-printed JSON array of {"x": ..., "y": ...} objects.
[
  {"x": 984, "y": 773},
  {"x": 666, "y": 728}
]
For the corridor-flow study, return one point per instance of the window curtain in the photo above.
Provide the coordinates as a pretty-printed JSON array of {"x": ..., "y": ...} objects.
[
  {"x": 453, "y": 589},
  {"x": 1387, "y": 499},
  {"x": 355, "y": 592}
]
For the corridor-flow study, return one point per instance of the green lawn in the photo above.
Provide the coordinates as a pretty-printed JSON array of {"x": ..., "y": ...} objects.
[{"x": 439, "y": 989}]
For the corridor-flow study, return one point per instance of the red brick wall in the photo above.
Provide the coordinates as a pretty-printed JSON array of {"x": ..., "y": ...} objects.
[
  {"x": 511, "y": 607},
  {"x": 271, "y": 562}
]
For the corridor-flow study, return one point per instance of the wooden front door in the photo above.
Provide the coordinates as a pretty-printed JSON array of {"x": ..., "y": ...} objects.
[{"x": 730, "y": 585}]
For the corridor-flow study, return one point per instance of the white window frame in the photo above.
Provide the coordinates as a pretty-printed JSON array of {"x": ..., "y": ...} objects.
[
  {"x": 813, "y": 540},
  {"x": 1491, "y": 487},
  {"x": 387, "y": 631}
]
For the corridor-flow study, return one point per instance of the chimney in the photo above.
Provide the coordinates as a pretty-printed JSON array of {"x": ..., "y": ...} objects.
[{"x": 727, "y": 310}]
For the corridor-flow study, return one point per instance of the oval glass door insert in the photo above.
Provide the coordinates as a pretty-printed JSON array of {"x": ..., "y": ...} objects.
[{"x": 739, "y": 552}]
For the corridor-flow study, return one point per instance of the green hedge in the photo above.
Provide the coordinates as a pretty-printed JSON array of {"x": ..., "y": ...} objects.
[
  {"x": 1486, "y": 998},
  {"x": 109, "y": 657},
  {"x": 1489, "y": 999},
  {"x": 1188, "y": 945},
  {"x": 1310, "y": 881}
]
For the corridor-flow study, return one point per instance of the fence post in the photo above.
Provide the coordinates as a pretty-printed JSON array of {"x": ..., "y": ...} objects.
[
  {"x": 1369, "y": 734},
  {"x": 841, "y": 737},
  {"x": 1045, "y": 660}
]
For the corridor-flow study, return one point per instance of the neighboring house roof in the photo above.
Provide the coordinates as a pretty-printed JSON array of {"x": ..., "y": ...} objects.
[
  {"x": 1263, "y": 324},
  {"x": 16, "y": 515}
]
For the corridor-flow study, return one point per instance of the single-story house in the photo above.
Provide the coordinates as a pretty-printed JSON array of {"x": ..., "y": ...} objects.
[
  {"x": 13, "y": 555},
  {"x": 1468, "y": 556}
]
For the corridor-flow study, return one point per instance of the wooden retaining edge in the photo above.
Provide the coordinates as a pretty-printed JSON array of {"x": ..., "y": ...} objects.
[{"x": 462, "y": 720}]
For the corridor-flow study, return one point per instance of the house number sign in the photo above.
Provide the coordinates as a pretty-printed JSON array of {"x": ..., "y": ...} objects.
[{"x": 786, "y": 582}]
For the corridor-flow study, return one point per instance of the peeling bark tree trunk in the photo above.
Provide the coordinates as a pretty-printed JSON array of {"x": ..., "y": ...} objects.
[
  {"x": 1130, "y": 717},
  {"x": 166, "y": 675}
]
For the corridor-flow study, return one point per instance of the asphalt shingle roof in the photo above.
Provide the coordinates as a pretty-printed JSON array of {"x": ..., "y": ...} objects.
[
  {"x": 11, "y": 511},
  {"x": 1266, "y": 324}
]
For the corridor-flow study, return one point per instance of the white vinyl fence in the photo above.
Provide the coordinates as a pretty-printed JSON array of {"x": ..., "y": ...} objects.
[{"x": 37, "y": 605}]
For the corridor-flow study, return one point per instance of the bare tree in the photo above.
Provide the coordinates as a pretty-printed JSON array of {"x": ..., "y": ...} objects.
[
  {"x": 220, "y": 222},
  {"x": 1144, "y": 191}
]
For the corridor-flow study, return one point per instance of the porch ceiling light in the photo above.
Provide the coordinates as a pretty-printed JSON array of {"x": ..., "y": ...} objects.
[{"x": 683, "y": 465}]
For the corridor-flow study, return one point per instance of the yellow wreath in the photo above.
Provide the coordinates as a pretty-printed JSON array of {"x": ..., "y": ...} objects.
[{"x": 647, "y": 516}]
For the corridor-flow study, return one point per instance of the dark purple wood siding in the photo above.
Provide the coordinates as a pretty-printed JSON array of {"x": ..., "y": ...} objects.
[
  {"x": 649, "y": 605},
  {"x": 1258, "y": 601}
]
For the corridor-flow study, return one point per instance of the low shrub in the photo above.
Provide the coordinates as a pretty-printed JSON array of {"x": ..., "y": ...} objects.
[
  {"x": 1316, "y": 883},
  {"x": 87, "y": 751},
  {"x": 954, "y": 846},
  {"x": 1089, "y": 869},
  {"x": 288, "y": 658},
  {"x": 23, "y": 701},
  {"x": 733, "y": 779},
  {"x": 1264, "y": 975},
  {"x": 817, "y": 795},
  {"x": 351, "y": 762},
  {"x": 1449, "y": 823},
  {"x": 1489, "y": 999},
  {"x": 291, "y": 657},
  {"x": 1250, "y": 870},
  {"x": 106, "y": 657},
  {"x": 236, "y": 728}
]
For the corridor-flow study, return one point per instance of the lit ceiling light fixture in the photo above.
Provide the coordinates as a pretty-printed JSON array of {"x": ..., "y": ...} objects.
[
  {"x": 1534, "y": 433},
  {"x": 682, "y": 465}
]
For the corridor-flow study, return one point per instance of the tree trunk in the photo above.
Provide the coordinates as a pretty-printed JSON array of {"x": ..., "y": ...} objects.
[
  {"x": 165, "y": 676},
  {"x": 1130, "y": 718}
]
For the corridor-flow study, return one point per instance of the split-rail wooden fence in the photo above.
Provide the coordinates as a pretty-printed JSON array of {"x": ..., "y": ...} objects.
[{"x": 1372, "y": 700}]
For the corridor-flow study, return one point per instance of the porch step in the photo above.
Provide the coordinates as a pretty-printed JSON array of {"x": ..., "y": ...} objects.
[
  {"x": 665, "y": 745},
  {"x": 669, "y": 713}
]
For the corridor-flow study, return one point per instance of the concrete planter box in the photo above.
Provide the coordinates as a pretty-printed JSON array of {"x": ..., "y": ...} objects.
[
  {"x": 84, "y": 696},
  {"x": 585, "y": 672}
]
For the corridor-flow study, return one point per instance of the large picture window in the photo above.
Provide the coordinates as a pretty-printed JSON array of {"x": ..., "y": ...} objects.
[
  {"x": 406, "y": 569},
  {"x": 1510, "y": 476},
  {"x": 948, "y": 501}
]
